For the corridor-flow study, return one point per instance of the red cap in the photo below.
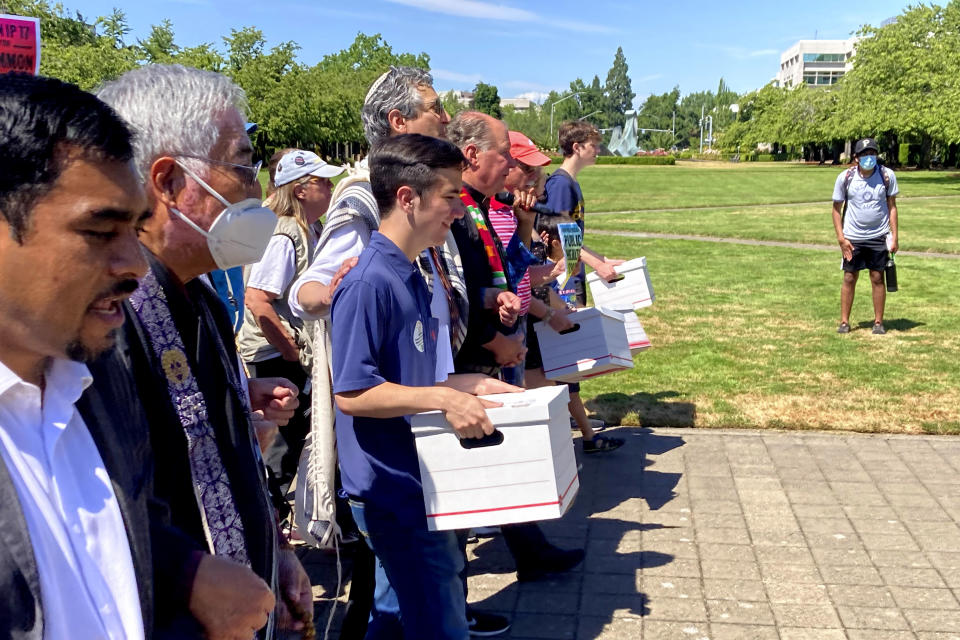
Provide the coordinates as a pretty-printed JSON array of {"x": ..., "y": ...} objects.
[{"x": 523, "y": 149}]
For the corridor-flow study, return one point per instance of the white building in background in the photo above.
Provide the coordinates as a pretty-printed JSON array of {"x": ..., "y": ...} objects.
[
  {"x": 465, "y": 98},
  {"x": 520, "y": 104},
  {"x": 815, "y": 63}
]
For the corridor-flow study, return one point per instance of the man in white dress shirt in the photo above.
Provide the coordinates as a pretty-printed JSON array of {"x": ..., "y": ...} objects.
[{"x": 70, "y": 206}]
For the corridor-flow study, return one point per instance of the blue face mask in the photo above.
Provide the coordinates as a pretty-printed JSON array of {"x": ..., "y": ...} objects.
[{"x": 867, "y": 162}]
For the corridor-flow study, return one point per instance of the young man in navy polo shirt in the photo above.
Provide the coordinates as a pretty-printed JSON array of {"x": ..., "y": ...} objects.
[{"x": 384, "y": 355}]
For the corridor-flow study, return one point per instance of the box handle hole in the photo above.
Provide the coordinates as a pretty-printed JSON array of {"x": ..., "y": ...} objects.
[
  {"x": 575, "y": 327},
  {"x": 491, "y": 440}
]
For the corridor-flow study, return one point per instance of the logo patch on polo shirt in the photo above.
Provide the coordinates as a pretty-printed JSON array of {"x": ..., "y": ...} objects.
[{"x": 418, "y": 336}]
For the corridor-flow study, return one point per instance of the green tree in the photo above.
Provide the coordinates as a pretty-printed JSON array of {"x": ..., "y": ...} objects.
[
  {"x": 657, "y": 112},
  {"x": 902, "y": 74},
  {"x": 487, "y": 100},
  {"x": 594, "y": 99},
  {"x": 159, "y": 46},
  {"x": 617, "y": 88}
]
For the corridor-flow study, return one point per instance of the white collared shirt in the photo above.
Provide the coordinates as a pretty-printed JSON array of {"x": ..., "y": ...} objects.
[{"x": 87, "y": 582}]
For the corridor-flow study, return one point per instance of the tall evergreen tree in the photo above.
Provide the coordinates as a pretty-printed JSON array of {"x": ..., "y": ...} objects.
[{"x": 619, "y": 93}]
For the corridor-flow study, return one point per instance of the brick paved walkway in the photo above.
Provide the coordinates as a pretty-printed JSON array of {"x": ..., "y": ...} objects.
[{"x": 699, "y": 534}]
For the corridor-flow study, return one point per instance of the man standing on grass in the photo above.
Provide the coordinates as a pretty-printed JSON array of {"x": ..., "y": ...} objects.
[
  {"x": 865, "y": 219},
  {"x": 384, "y": 364},
  {"x": 578, "y": 143}
]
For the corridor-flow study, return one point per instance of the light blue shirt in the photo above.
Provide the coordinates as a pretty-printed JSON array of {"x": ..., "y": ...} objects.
[
  {"x": 868, "y": 215},
  {"x": 88, "y": 587}
]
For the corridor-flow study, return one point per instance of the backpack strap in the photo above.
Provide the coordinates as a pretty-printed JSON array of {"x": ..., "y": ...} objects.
[
  {"x": 886, "y": 179},
  {"x": 846, "y": 192}
]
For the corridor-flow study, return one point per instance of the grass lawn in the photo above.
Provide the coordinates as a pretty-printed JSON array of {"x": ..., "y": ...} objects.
[
  {"x": 745, "y": 336},
  {"x": 925, "y": 224},
  {"x": 716, "y": 184}
]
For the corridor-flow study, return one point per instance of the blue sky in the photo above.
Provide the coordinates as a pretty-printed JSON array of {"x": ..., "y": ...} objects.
[{"x": 533, "y": 46}]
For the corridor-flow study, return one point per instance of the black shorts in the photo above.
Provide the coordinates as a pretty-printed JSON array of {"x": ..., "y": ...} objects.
[{"x": 868, "y": 254}]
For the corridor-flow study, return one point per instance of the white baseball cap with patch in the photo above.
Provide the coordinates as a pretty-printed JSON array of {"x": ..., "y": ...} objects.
[{"x": 299, "y": 163}]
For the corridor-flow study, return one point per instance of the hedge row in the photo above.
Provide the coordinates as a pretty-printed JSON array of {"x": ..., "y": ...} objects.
[
  {"x": 768, "y": 157},
  {"x": 631, "y": 160}
]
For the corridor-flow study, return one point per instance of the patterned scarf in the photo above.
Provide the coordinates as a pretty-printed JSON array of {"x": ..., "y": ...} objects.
[
  {"x": 451, "y": 278},
  {"x": 221, "y": 520},
  {"x": 493, "y": 253}
]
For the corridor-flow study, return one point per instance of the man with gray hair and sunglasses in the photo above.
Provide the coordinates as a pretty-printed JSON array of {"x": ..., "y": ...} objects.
[
  {"x": 402, "y": 100},
  {"x": 194, "y": 157}
]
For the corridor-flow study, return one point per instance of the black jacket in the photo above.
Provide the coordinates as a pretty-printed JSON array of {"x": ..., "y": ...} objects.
[
  {"x": 112, "y": 415},
  {"x": 482, "y": 324}
]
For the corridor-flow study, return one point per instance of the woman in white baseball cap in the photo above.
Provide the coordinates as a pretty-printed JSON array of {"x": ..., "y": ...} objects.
[{"x": 273, "y": 341}]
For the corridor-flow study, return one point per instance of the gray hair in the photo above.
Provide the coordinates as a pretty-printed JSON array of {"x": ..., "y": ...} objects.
[
  {"x": 471, "y": 127},
  {"x": 398, "y": 89},
  {"x": 172, "y": 109}
]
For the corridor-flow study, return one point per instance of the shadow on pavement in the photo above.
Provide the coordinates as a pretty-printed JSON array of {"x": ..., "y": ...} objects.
[
  {"x": 615, "y": 509},
  {"x": 652, "y": 409}
]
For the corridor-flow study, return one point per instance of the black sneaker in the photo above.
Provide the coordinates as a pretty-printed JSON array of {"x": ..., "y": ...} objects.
[
  {"x": 878, "y": 329},
  {"x": 843, "y": 328},
  {"x": 486, "y": 625},
  {"x": 551, "y": 561}
]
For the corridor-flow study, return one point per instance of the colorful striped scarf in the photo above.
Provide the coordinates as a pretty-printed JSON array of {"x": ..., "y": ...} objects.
[{"x": 493, "y": 253}]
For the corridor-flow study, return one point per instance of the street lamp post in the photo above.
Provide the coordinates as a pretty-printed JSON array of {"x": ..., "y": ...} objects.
[{"x": 554, "y": 106}]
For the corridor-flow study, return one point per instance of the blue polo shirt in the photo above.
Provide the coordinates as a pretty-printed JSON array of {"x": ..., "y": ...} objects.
[{"x": 382, "y": 332}]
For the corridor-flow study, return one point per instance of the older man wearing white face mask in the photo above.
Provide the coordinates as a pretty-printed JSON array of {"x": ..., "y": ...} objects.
[{"x": 194, "y": 155}]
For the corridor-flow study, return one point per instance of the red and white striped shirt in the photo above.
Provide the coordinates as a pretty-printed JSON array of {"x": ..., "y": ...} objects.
[{"x": 504, "y": 224}]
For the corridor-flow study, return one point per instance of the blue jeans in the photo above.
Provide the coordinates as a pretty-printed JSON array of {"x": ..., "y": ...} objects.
[{"x": 423, "y": 575}]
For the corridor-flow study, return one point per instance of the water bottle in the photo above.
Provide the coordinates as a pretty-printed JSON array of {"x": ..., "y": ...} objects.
[{"x": 890, "y": 274}]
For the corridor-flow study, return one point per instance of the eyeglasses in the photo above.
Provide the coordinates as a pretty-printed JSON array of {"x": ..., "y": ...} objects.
[{"x": 248, "y": 174}]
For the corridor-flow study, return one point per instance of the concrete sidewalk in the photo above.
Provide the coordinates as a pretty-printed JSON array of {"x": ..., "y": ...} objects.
[{"x": 699, "y": 534}]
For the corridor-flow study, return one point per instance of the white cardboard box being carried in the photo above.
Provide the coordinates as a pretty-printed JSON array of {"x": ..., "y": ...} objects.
[
  {"x": 634, "y": 291},
  {"x": 530, "y": 475},
  {"x": 596, "y": 345},
  {"x": 636, "y": 336}
]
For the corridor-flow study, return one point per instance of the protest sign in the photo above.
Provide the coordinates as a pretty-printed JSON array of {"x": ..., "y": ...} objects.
[
  {"x": 571, "y": 240},
  {"x": 19, "y": 44}
]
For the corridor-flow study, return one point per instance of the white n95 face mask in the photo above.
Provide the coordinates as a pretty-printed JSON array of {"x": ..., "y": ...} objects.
[{"x": 240, "y": 234}]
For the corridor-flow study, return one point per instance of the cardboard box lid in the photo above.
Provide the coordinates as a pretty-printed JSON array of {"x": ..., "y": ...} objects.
[
  {"x": 629, "y": 265},
  {"x": 533, "y": 405}
]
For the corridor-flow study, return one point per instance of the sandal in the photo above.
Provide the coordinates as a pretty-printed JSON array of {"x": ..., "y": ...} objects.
[{"x": 602, "y": 444}]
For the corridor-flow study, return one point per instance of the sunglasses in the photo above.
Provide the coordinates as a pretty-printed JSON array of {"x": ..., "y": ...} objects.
[{"x": 437, "y": 107}]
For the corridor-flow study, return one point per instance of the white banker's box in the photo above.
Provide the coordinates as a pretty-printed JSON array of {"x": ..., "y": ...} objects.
[
  {"x": 596, "y": 345},
  {"x": 636, "y": 336},
  {"x": 633, "y": 291},
  {"x": 530, "y": 474}
]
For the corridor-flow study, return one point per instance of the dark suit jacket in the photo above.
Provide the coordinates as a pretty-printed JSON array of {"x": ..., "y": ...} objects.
[{"x": 113, "y": 416}]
